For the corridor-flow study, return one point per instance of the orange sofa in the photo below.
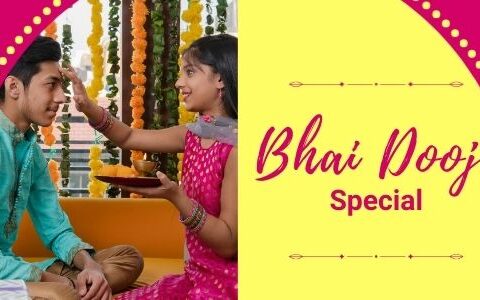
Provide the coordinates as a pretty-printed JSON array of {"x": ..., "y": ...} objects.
[{"x": 150, "y": 225}]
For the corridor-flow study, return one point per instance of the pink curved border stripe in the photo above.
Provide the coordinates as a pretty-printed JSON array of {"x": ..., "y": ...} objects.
[
  {"x": 14, "y": 16},
  {"x": 460, "y": 15}
]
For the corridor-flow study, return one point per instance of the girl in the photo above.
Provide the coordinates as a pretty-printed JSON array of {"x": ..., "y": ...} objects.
[{"x": 207, "y": 199}]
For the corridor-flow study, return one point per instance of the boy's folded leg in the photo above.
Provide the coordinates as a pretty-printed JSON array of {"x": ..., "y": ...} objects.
[
  {"x": 51, "y": 291},
  {"x": 121, "y": 265}
]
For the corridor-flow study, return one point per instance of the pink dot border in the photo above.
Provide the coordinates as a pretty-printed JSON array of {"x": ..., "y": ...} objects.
[
  {"x": 457, "y": 23},
  {"x": 22, "y": 21}
]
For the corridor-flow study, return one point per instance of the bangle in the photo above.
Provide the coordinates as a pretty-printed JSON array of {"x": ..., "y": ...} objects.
[
  {"x": 102, "y": 120},
  {"x": 188, "y": 220},
  {"x": 105, "y": 123},
  {"x": 200, "y": 223}
]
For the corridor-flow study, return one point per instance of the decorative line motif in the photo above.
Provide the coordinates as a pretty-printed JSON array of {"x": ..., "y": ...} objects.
[
  {"x": 455, "y": 84},
  {"x": 297, "y": 256}
]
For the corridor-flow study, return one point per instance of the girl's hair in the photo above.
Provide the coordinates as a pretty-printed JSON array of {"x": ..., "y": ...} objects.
[{"x": 220, "y": 53}]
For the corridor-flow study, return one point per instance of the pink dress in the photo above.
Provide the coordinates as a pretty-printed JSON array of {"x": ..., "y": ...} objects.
[{"x": 207, "y": 275}]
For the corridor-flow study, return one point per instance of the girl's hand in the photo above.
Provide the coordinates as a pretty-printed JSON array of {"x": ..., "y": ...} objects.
[
  {"x": 169, "y": 190},
  {"x": 82, "y": 103}
]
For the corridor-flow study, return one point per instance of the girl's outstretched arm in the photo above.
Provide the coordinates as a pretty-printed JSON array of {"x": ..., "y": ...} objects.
[{"x": 164, "y": 140}]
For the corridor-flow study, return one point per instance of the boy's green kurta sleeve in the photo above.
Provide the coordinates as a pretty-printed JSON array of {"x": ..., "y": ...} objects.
[
  {"x": 50, "y": 221},
  {"x": 13, "y": 268}
]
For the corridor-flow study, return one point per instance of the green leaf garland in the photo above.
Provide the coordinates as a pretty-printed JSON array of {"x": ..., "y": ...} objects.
[
  {"x": 67, "y": 45},
  {"x": 209, "y": 28},
  {"x": 222, "y": 6},
  {"x": 114, "y": 60},
  {"x": 165, "y": 16}
]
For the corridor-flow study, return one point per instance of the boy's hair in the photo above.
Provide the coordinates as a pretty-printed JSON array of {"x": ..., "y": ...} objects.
[
  {"x": 41, "y": 50},
  {"x": 220, "y": 53}
]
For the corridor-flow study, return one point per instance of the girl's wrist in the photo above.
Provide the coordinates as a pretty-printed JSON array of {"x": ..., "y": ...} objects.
[{"x": 177, "y": 198}]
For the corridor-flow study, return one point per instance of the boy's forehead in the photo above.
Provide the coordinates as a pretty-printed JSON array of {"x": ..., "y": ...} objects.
[{"x": 48, "y": 69}]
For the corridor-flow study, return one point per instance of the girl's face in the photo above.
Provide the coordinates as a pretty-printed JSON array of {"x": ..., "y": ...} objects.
[{"x": 201, "y": 88}]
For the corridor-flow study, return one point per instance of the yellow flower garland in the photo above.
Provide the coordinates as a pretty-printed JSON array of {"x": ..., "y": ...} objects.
[
  {"x": 193, "y": 16},
  {"x": 93, "y": 41},
  {"x": 138, "y": 67},
  {"x": 95, "y": 187}
]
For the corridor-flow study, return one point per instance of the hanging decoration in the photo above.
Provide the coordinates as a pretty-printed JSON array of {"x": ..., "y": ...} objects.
[
  {"x": 170, "y": 74},
  {"x": 222, "y": 6},
  {"x": 51, "y": 31},
  {"x": 165, "y": 28},
  {"x": 192, "y": 16},
  {"x": 158, "y": 37},
  {"x": 67, "y": 45},
  {"x": 138, "y": 67},
  {"x": 96, "y": 51},
  {"x": 113, "y": 60},
  {"x": 54, "y": 173},
  {"x": 47, "y": 132},
  {"x": 95, "y": 187},
  {"x": 209, "y": 28}
]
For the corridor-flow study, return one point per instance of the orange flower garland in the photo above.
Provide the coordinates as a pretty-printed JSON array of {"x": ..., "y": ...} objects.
[
  {"x": 48, "y": 137},
  {"x": 54, "y": 173},
  {"x": 193, "y": 16},
  {"x": 51, "y": 30},
  {"x": 47, "y": 132},
  {"x": 139, "y": 43}
]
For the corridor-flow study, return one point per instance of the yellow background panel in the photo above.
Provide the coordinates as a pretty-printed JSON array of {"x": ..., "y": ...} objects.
[{"x": 353, "y": 42}]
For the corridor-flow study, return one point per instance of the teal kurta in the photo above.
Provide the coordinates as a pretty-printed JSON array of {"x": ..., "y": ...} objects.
[{"x": 25, "y": 184}]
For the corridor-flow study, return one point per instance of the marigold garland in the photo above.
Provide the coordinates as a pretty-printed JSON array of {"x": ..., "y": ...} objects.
[
  {"x": 54, "y": 173},
  {"x": 47, "y": 132},
  {"x": 51, "y": 30},
  {"x": 193, "y": 16},
  {"x": 93, "y": 41},
  {"x": 138, "y": 78},
  {"x": 95, "y": 187},
  {"x": 48, "y": 137}
]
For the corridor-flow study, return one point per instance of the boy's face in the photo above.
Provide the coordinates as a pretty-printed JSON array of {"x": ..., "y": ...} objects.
[{"x": 41, "y": 100}]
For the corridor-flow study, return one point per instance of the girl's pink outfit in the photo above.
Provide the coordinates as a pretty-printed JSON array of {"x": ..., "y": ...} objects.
[{"x": 207, "y": 275}]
